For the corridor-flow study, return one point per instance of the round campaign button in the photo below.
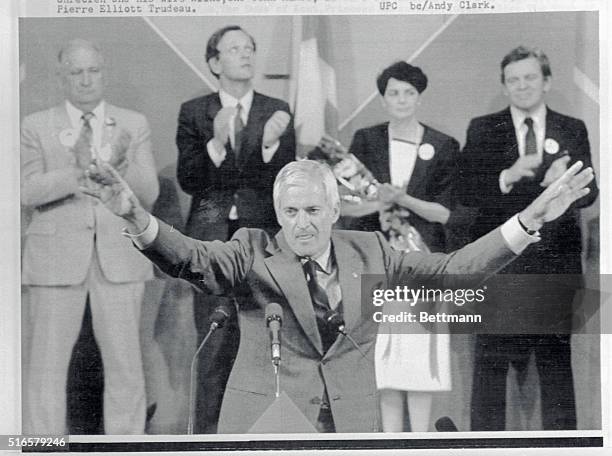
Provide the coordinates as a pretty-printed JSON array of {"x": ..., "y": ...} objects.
[
  {"x": 105, "y": 153},
  {"x": 68, "y": 137},
  {"x": 110, "y": 122},
  {"x": 426, "y": 151},
  {"x": 551, "y": 146}
]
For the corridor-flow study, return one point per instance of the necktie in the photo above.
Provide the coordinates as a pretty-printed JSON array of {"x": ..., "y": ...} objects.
[
  {"x": 531, "y": 147},
  {"x": 320, "y": 304},
  {"x": 238, "y": 127},
  {"x": 82, "y": 147}
]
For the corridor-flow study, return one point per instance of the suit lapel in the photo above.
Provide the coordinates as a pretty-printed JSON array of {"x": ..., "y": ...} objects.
[
  {"x": 60, "y": 117},
  {"x": 287, "y": 270},
  {"x": 505, "y": 130},
  {"x": 212, "y": 108},
  {"x": 110, "y": 111},
  {"x": 421, "y": 167},
  {"x": 555, "y": 132},
  {"x": 379, "y": 165},
  {"x": 350, "y": 268},
  {"x": 60, "y": 125}
]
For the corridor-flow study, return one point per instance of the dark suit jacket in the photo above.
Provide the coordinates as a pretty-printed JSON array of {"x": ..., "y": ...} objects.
[
  {"x": 266, "y": 270},
  {"x": 491, "y": 147},
  {"x": 431, "y": 179},
  {"x": 246, "y": 182}
]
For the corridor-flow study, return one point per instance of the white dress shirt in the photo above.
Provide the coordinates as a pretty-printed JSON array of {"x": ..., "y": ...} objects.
[
  {"x": 402, "y": 157},
  {"x": 96, "y": 122},
  {"x": 539, "y": 127}
]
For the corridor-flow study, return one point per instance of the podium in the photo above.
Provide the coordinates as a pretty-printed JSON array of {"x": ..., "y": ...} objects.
[{"x": 282, "y": 417}]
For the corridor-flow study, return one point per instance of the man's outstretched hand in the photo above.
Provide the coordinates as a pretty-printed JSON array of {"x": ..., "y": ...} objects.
[
  {"x": 106, "y": 184},
  {"x": 557, "y": 197}
]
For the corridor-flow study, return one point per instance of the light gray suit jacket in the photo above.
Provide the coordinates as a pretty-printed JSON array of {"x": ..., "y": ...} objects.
[
  {"x": 60, "y": 238},
  {"x": 261, "y": 270}
]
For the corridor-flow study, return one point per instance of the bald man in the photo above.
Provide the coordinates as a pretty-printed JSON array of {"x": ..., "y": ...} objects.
[{"x": 74, "y": 253}]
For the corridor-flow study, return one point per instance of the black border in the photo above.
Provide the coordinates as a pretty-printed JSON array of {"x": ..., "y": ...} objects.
[{"x": 370, "y": 444}]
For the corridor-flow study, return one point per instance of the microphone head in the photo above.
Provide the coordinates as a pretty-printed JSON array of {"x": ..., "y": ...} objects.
[
  {"x": 445, "y": 424},
  {"x": 274, "y": 312},
  {"x": 334, "y": 319},
  {"x": 220, "y": 315}
]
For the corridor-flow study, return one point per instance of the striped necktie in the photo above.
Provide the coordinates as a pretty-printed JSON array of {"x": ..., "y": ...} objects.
[
  {"x": 238, "y": 127},
  {"x": 320, "y": 304},
  {"x": 82, "y": 146},
  {"x": 531, "y": 147}
]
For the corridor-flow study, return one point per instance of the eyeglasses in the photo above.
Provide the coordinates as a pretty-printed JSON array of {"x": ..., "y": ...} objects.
[{"x": 236, "y": 50}]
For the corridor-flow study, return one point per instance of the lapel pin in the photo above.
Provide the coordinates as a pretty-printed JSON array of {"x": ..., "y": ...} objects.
[
  {"x": 68, "y": 137},
  {"x": 551, "y": 146},
  {"x": 426, "y": 151}
]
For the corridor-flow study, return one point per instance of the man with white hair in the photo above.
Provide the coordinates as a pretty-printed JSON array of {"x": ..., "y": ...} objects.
[
  {"x": 309, "y": 269},
  {"x": 74, "y": 254}
]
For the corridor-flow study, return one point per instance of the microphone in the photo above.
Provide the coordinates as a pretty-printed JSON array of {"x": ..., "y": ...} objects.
[
  {"x": 335, "y": 321},
  {"x": 274, "y": 321},
  {"x": 219, "y": 317},
  {"x": 445, "y": 424},
  {"x": 217, "y": 320}
]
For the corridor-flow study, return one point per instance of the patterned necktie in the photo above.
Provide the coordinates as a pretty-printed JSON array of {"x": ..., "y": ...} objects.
[
  {"x": 531, "y": 147},
  {"x": 238, "y": 127},
  {"x": 320, "y": 304},
  {"x": 82, "y": 147}
]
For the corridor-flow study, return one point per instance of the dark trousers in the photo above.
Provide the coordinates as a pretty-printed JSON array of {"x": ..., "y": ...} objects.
[
  {"x": 493, "y": 353},
  {"x": 85, "y": 387},
  {"x": 215, "y": 362},
  {"x": 217, "y": 358}
]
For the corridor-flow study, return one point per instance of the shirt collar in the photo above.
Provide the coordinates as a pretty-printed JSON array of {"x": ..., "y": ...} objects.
[
  {"x": 229, "y": 101},
  {"x": 323, "y": 259},
  {"x": 519, "y": 116},
  {"x": 74, "y": 113},
  {"x": 419, "y": 130}
]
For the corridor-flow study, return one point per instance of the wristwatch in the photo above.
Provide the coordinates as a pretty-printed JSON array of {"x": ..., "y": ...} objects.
[{"x": 530, "y": 232}]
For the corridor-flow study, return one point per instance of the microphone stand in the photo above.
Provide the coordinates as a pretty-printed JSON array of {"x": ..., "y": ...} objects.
[
  {"x": 348, "y": 336},
  {"x": 274, "y": 318},
  {"x": 192, "y": 380},
  {"x": 335, "y": 320},
  {"x": 277, "y": 379}
]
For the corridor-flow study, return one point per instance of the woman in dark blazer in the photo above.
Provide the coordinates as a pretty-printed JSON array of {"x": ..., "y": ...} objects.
[{"x": 416, "y": 166}]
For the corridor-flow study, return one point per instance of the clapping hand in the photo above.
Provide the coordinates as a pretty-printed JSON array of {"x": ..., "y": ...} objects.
[
  {"x": 275, "y": 127},
  {"x": 119, "y": 143},
  {"x": 388, "y": 194},
  {"x": 523, "y": 167},
  {"x": 221, "y": 125},
  {"x": 555, "y": 170},
  {"x": 558, "y": 196}
]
